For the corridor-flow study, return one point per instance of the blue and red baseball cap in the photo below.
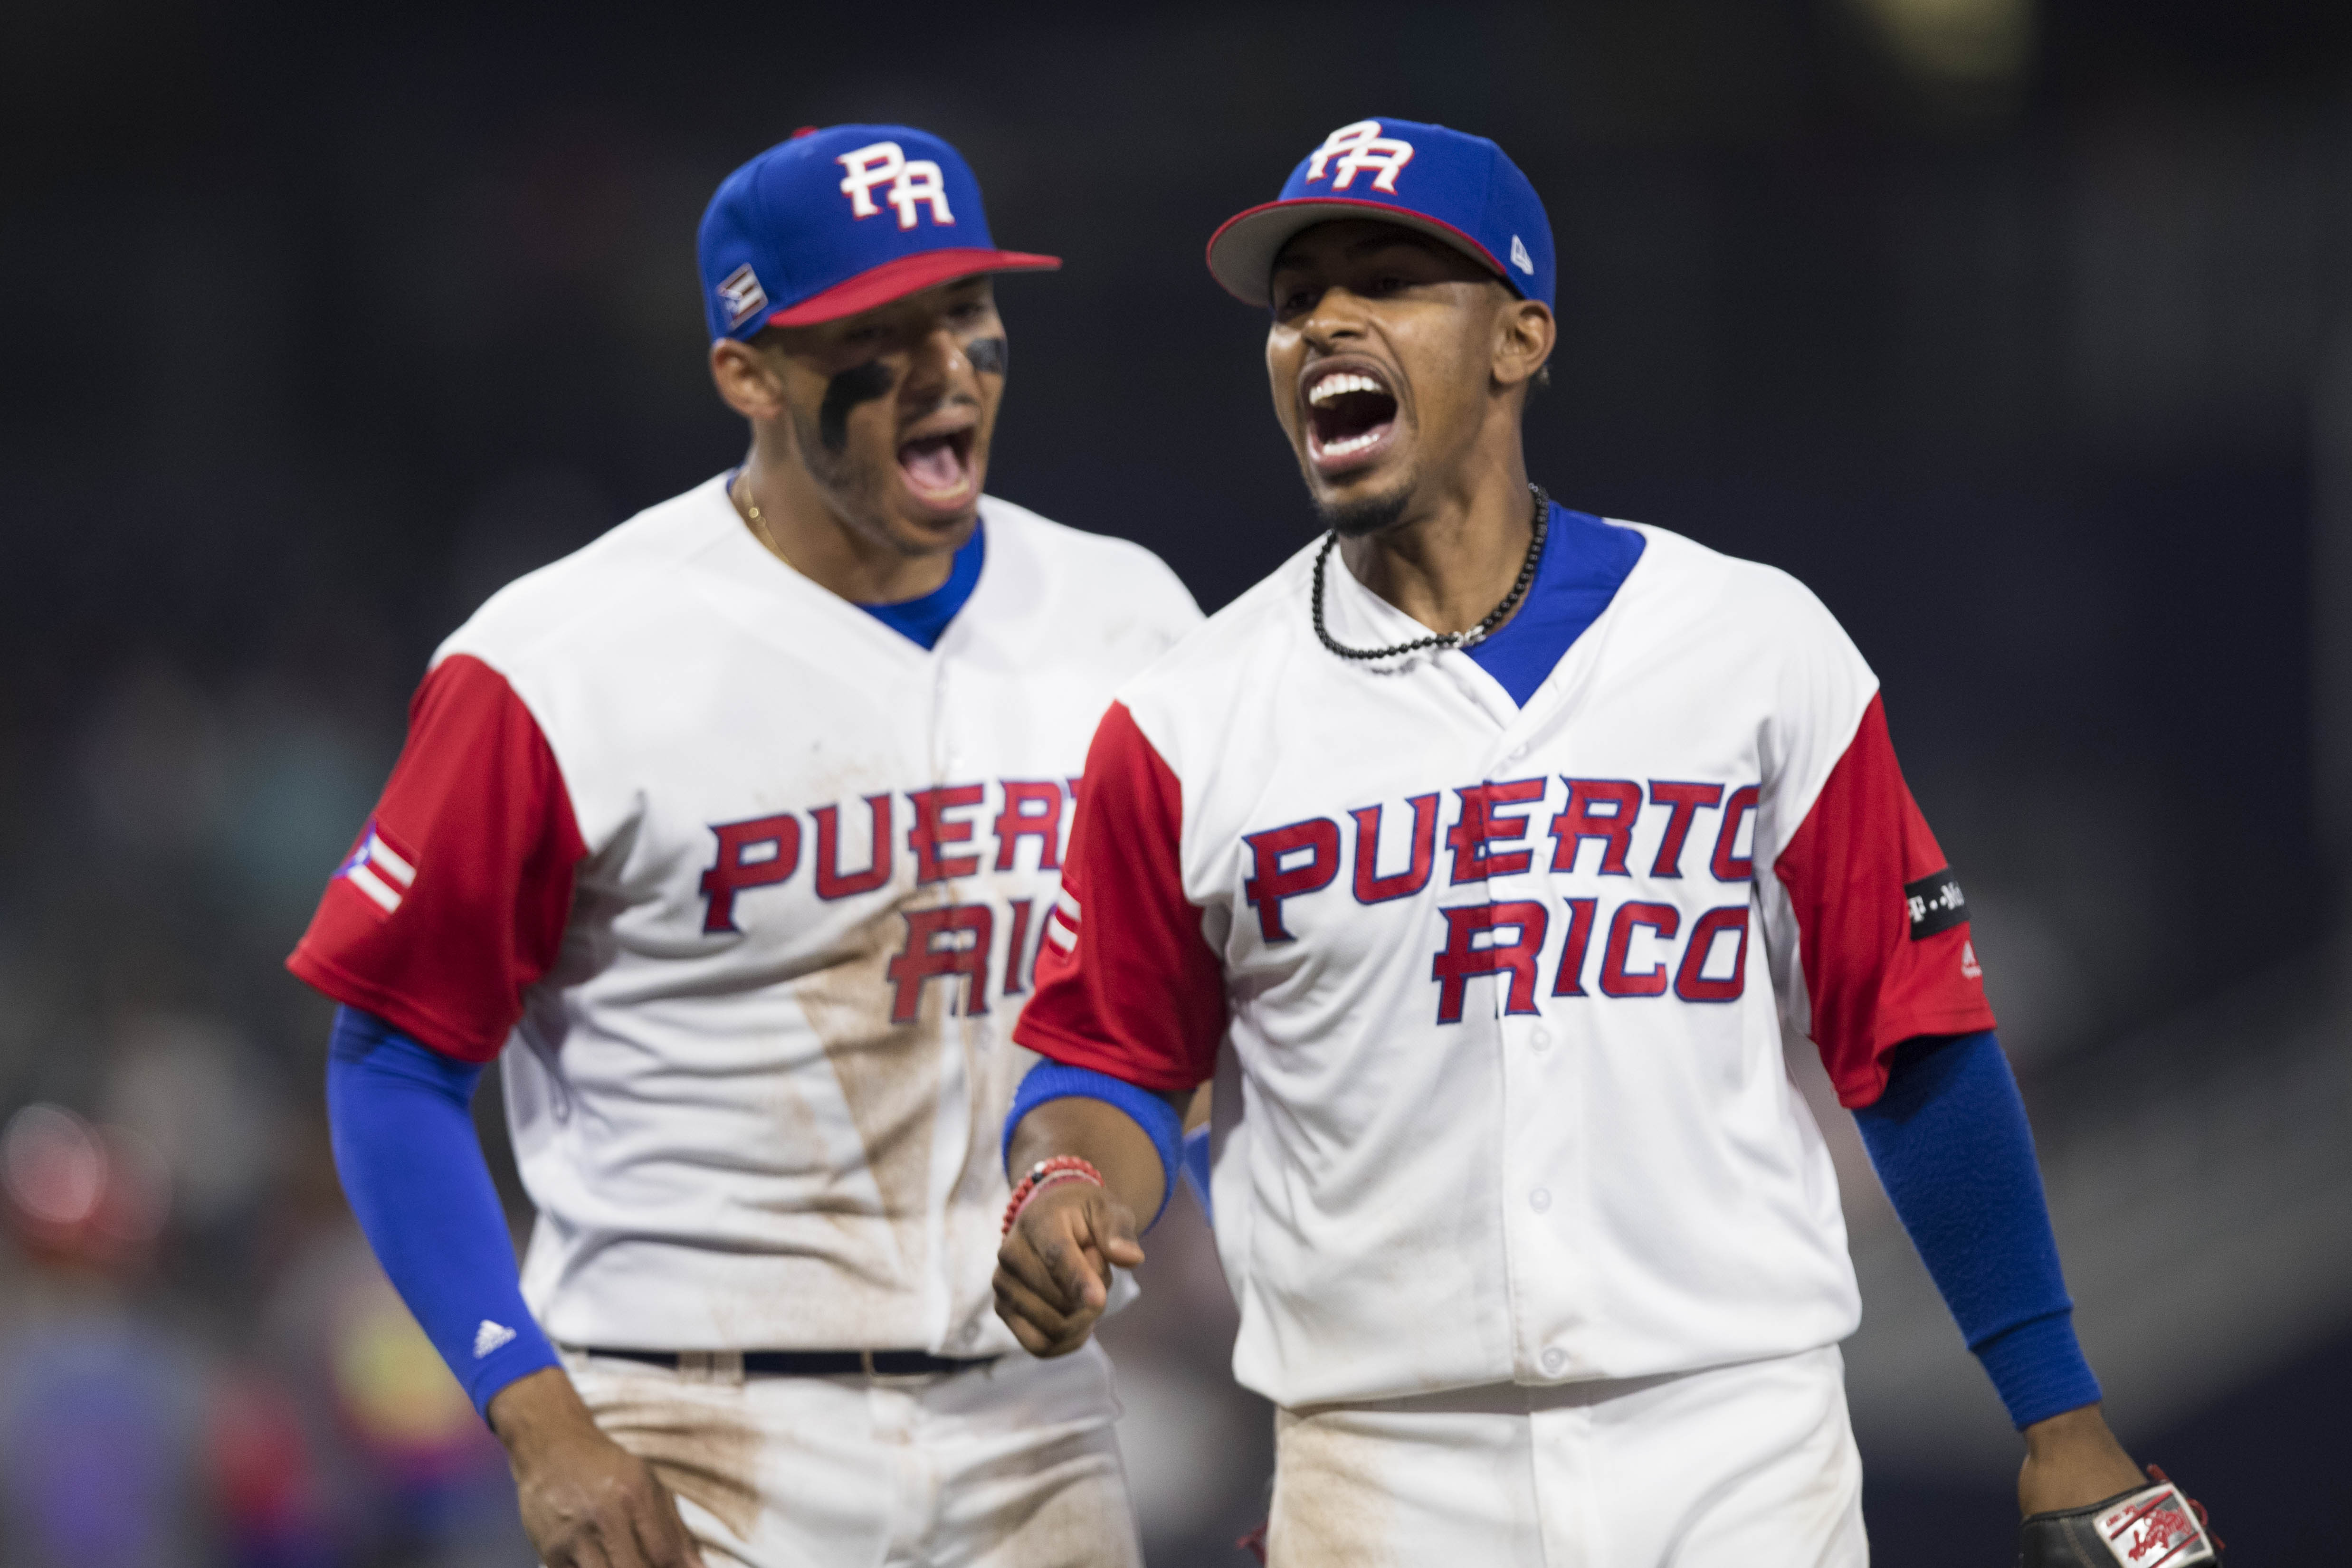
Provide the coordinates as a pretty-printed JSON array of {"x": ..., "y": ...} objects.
[
  {"x": 1455, "y": 187},
  {"x": 840, "y": 220}
]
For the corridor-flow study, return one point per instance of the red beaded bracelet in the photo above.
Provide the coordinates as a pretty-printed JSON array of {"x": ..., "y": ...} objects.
[{"x": 1043, "y": 1174}]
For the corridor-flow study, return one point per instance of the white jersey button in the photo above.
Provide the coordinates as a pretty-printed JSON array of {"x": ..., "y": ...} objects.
[
  {"x": 1539, "y": 1040},
  {"x": 1553, "y": 1360},
  {"x": 1540, "y": 1199}
]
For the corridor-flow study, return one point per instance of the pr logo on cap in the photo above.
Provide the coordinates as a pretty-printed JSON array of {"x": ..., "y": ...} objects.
[
  {"x": 913, "y": 181},
  {"x": 1358, "y": 147}
]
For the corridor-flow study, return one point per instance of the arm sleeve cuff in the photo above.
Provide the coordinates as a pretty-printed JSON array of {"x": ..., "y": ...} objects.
[
  {"x": 404, "y": 1146},
  {"x": 1053, "y": 1080},
  {"x": 2039, "y": 1369}
]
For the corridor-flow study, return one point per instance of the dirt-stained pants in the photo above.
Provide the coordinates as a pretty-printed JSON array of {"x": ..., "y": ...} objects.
[{"x": 1009, "y": 1467}]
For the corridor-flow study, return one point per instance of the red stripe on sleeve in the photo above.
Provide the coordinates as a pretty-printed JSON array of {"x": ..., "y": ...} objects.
[
  {"x": 1138, "y": 994},
  {"x": 462, "y": 905},
  {"x": 1872, "y": 986}
]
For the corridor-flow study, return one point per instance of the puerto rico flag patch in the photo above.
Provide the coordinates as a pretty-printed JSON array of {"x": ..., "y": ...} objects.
[{"x": 381, "y": 873}]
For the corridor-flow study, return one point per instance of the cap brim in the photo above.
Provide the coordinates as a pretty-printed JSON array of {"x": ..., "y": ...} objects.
[
  {"x": 1241, "y": 251},
  {"x": 906, "y": 275}
]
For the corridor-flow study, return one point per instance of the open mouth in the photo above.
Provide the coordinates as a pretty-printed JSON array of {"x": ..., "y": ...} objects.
[
  {"x": 939, "y": 467},
  {"x": 1351, "y": 415}
]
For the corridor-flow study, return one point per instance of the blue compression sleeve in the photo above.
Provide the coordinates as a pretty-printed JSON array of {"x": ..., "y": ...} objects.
[
  {"x": 1952, "y": 1144},
  {"x": 1052, "y": 1080},
  {"x": 413, "y": 1169}
]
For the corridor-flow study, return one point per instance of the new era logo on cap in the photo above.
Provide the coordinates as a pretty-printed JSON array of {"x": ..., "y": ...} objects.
[
  {"x": 837, "y": 220},
  {"x": 1456, "y": 188}
]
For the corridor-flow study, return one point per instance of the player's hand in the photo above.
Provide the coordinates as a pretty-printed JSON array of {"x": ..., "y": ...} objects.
[
  {"x": 2072, "y": 1460},
  {"x": 1053, "y": 1273},
  {"x": 587, "y": 1502}
]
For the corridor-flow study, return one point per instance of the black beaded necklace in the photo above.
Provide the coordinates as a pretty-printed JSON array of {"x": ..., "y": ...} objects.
[{"x": 1470, "y": 639}]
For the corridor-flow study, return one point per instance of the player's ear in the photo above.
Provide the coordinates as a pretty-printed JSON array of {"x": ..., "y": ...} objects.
[
  {"x": 1525, "y": 332},
  {"x": 748, "y": 380}
]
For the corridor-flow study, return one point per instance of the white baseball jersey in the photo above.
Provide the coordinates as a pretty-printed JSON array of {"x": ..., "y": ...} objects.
[
  {"x": 1502, "y": 1095},
  {"x": 755, "y": 883}
]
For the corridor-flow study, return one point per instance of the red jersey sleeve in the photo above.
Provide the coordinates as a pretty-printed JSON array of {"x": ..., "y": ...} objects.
[
  {"x": 1127, "y": 983},
  {"x": 454, "y": 898},
  {"x": 1882, "y": 930}
]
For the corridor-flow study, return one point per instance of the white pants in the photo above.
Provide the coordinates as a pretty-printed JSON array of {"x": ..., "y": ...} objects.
[
  {"x": 1014, "y": 1466},
  {"x": 1750, "y": 1466}
]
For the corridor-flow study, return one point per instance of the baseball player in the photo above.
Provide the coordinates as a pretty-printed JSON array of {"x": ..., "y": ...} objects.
[
  {"x": 1478, "y": 857},
  {"x": 730, "y": 837}
]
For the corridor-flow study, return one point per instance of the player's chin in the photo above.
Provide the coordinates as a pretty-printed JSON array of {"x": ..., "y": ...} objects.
[
  {"x": 921, "y": 523},
  {"x": 1360, "y": 496},
  {"x": 917, "y": 534}
]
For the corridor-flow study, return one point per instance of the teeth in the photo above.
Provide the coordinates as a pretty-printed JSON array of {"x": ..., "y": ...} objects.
[
  {"x": 1340, "y": 383},
  {"x": 1353, "y": 444}
]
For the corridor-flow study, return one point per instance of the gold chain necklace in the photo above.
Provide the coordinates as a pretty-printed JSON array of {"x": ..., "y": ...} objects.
[{"x": 759, "y": 523}]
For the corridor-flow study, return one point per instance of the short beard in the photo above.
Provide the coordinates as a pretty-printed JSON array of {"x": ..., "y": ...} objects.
[
  {"x": 1360, "y": 519},
  {"x": 854, "y": 493}
]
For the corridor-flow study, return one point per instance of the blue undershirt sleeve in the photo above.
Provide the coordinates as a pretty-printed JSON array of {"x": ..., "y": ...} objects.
[
  {"x": 404, "y": 1144},
  {"x": 1952, "y": 1146},
  {"x": 1160, "y": 1120}
]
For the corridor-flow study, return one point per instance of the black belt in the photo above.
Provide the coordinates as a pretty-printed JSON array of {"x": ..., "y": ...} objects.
[{"x": 810, "y": 1363}]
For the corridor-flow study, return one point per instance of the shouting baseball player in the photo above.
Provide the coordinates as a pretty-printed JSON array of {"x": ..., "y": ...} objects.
[
  {"x": 1477, "y": 855},
  {"x": 732, "y": 837}
]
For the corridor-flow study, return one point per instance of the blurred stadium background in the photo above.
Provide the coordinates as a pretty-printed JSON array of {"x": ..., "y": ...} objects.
[{"x": 2021, "y": 332}]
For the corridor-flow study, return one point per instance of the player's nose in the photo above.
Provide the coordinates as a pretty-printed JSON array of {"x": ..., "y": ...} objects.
[
  {"x": 940, "y": 366},
  {"x": 1337, "y": 315}
]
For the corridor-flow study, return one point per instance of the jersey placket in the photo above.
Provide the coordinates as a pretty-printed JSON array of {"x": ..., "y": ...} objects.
[
  {"x": 1544, "y": 1152},
  {"x": 1540, "y": 1180}
]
